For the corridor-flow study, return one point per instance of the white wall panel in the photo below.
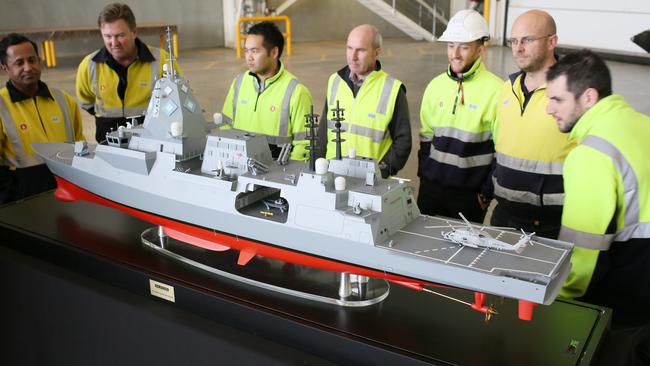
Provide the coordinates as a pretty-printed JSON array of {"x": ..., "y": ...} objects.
[{"x": 601, "y": 24}]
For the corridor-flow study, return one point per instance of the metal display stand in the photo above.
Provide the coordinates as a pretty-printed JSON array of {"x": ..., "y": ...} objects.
[
  {"x": 407, "y": 327},
  {"x": 274, "y": 275}
]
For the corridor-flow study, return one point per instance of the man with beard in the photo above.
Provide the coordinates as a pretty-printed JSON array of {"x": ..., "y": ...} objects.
[
  {"x": 607, "y": 186},
  {"x": 30, "y": 111},
  {"x": 530, "y": 151},
  {"x": 457, "y": 114},
  {"x": 268, "y": 99},
  {"x": 377, "y": 123}
]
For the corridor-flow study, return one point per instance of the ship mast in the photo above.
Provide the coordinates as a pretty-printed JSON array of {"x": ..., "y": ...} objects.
[
  {"x": 172, "y": 71},
  {"x": 337, "y": 114},
  {"x": 311, "y": 120}
]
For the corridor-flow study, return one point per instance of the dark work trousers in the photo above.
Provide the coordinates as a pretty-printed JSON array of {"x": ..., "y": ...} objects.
[
  {"x": 542, "y": 224},
  {"x": 434, "y": 199}
]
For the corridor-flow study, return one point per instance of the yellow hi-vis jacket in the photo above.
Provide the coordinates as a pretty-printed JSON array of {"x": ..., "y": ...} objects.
[
  {"x": 277, "y": 110},
  {"x": 52, "y": 118},
  {"x": 607, "y": 187},
  {"x": 97, "y": 83},
  {"x": 456, "y": 116},
  {"x": 530, "y": 149},
  {"x": 366, "y": 117}
]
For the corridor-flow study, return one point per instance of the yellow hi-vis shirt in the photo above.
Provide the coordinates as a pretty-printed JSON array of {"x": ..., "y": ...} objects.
[
  {"x": 38, "y": 119},
  {"x": 277, "y": 110},
  {"x": 457, "y": 116},
  {"x": 530, "y": 149},
  {"x": 367, "y": 115},
  {"x": 96, "y": 84},
  {"x": 607, "y": 185}
]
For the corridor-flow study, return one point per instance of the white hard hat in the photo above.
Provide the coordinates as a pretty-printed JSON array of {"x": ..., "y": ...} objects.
[{"x": 465, "y": 26}]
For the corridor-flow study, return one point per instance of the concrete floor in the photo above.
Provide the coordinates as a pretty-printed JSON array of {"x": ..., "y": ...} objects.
[{"x": 210, "y": 72}]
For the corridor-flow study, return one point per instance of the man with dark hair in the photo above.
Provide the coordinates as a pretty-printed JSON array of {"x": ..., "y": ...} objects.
[
  {"x": 458, "y": 110},
  {"x": 30, "y": 111},
  {"x": 377, "y": 123},
  {"x": 115, "y": 82},
  {"x": 267, "y": 99},
  {"x": 530, "y": 151},
  {"x": 607, "y": 187}
]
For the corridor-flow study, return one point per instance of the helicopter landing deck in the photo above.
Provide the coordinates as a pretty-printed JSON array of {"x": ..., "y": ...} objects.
[{"x": 537, "y": 261}]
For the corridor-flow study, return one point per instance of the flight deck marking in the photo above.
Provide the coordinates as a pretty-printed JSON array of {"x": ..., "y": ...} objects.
[
  {"x": 478, "y": 257},
  {"x": 418, "y": 234},
  {"x": 458, "y": 251}
]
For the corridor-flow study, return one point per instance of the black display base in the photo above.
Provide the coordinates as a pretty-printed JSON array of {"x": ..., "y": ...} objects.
[{"x": 406, "y": 328}]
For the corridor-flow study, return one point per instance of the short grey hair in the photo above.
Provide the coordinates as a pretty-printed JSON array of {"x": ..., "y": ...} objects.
[{"x": 377, "y": 40}]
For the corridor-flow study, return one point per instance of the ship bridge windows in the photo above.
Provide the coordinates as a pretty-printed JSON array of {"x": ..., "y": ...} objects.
[{"x": 263, "y": 202}]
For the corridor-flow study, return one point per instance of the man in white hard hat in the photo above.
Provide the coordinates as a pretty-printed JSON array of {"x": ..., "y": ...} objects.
[{"x": 457, "y": 113}]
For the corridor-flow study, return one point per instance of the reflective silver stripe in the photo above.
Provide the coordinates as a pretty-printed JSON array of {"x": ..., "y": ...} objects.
[
  {"x": 530, "y": 166},
  {"x": 278, "y": 140},
  {"x": 553, "y": 199},
  {"x": 382, "y": 106},
  {"x": 549, "y": 199},
  {"x": 126, "y": 112},
  {"x": 640, "y": 230},
  {"x": 300, "y": 136},
  {"x": 335, "y": 89},
  {"x": 461, "y": 135},
  {"x": 424, "y": 138},
  {"x": 630, "y": 188},
  {"x": 63, "y": 106},
  {"x": 130, "y": 112},
  {"x": 455, "y": 160},
  {"x": 235, "y": 96},
  {"x": 586, "y": 240},
  {"x": 284, "y": 114},
  {"x": 92, "y": 74},
  {"x": 371, "y": 133},
  {"x": 21, "y": 160}
]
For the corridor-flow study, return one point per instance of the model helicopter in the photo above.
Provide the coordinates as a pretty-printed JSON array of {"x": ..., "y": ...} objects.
[{"x": 468, "y": 236}]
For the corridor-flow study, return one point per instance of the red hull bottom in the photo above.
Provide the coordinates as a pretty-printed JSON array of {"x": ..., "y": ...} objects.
[{"x": 216, "y": 241}]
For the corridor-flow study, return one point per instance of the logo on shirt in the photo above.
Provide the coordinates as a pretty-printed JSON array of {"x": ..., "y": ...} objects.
[
  {"x": 144, "y": 84},
  {"x": 371, "y": 115},
  {"x": 506, "y": 101},
  {"x": 440, "y": 105},
  {"x": 272, "y": 108},
  {"x": 473, "y": 106},
  {"x": 102, "y": 87},
  {"x": 55, "y": 119},
  {"x": 23, "y": 126},
  {"x": 243, "y": 101}
]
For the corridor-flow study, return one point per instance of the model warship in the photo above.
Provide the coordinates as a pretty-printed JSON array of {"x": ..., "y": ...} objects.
[{"x": 222, "y": 190}]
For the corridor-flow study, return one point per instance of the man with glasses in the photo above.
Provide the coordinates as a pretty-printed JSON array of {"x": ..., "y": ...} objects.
[
  {"x": 530, "y": 150},
  {"x": 457, "y": 113}
]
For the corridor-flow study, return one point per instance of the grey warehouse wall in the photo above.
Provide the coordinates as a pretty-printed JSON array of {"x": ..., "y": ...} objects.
[
  {"x": 200, "y": 22},
  {"x": 320, "y": 20}
]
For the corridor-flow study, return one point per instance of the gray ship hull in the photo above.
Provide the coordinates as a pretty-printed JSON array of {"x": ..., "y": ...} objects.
[{"x": 155, "y": 183}]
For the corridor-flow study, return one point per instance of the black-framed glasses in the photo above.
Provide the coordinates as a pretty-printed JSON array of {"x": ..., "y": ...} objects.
[{"x": 513, "y": 42}]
